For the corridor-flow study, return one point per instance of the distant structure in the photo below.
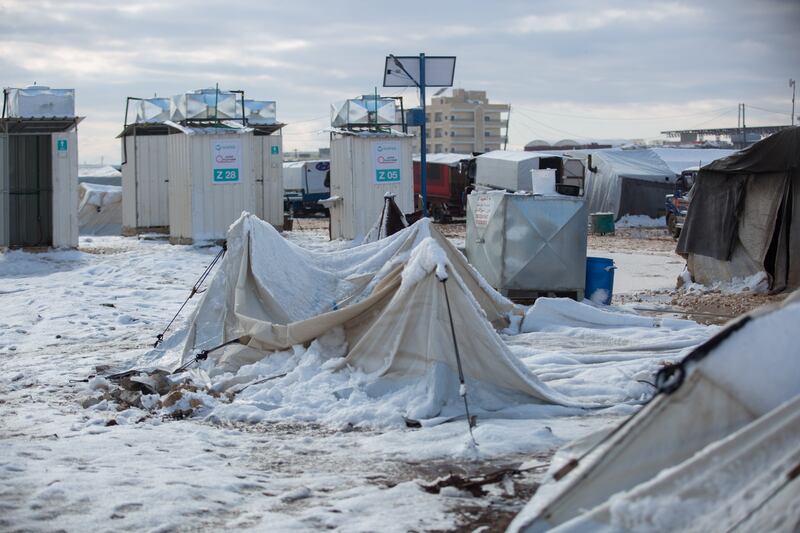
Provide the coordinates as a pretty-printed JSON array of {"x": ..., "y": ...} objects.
[
  {"x": 307, "y": 155},
  {"x": 740, "y": 137},
  {"x": 465, "y": 122},
  {"x": 539, "y": 145}
]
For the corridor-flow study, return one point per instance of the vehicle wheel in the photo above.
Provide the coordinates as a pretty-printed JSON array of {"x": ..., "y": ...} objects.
[{"x": 673, "y": 228}]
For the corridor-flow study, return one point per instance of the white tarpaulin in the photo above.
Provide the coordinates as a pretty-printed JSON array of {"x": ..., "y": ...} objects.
[
  {"x": 387, "y": 297},
  {"x": 635, "y": 182},
  {"x": 712, "y": 451},
  {"x": 100, "y": 209}
]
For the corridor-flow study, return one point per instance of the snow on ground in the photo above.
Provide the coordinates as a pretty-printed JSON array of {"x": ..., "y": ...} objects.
[
  {"x": 640, "y": 221},
  {"x": 247, "y": 464}
]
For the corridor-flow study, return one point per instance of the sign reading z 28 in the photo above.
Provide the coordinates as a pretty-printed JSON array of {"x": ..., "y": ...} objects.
[{"x": 226, "y": 174}]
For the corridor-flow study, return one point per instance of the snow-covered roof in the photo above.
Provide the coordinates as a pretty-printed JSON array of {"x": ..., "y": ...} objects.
[
  {"x": 508, "y": 155},
  {"x": 98, "y": 171},
  {"x": 369, "y": 133},
  {"x": 451, "y": 159},
  {"x": 680, "y": 159}
]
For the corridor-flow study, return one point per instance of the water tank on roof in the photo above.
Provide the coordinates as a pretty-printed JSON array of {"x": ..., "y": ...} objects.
[
  {"x": 260, "y": 111},
  {"x": 365, "y": 111},
  {"x": 206, "y": 104},
  {"x": 150, "y": 110},
  {"x": 39, "y": 101}
]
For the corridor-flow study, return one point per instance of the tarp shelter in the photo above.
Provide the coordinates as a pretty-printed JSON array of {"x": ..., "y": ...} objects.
[
  {"x": 744, "y": 215},
  {"x": 626, "y": 182},
  {"x": 387, "y": 296},
  {"x": 717, "y": 448},
  {"x": 635, "y": 181},
  {"x": 39, "y": 168},
  {"x": 100, "y": 209}
]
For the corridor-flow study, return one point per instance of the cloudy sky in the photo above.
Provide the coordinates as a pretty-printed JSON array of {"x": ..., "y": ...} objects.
[{"x": 579, "y": 69}]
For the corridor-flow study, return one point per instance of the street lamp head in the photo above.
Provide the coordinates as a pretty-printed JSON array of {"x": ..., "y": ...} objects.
[{"x": 791, "y": 82}]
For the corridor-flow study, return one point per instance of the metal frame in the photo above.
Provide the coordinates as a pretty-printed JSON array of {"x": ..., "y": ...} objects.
[{"x": 381, "y": 127}]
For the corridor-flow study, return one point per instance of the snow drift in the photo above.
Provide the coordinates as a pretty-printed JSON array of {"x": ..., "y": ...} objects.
[{"x": 717, "y": 449}]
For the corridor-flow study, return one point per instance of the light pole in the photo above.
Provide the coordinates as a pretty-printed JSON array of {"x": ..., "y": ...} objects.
[{"x": 792, "y": 85}]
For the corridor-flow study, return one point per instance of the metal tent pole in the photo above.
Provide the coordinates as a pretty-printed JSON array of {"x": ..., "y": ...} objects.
[{"x": 423, "y": 155}]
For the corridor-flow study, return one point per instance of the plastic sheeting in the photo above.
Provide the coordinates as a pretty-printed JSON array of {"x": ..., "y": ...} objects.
[
  {"x": 635, "y": 182},
  {"x": 743, "y": 216},
  {"x": 728, "y": 404},
  {"x": 387, "y": 296},
  {"x": 100, "y": 209}
]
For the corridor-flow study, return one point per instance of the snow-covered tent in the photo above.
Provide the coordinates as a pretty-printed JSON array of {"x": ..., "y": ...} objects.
[
  {"x": 679, "y": 159},
  {"x": 393, "y": 299},
  {"x": 718, "y": 448},
  {"x": 635, "y": 181},
  {"x": 626, "y": 182},
  {"x": 99, "y": 209},
  {"x": 743, "y": 218}
]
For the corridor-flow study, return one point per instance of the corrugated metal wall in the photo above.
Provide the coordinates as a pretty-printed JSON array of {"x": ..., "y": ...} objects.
[
  {"x": 198, "y": 208},
  {"x": 353, "y": 179},
  {"x": 4, "y": 207},
  {"x": 271, "y": 165},
  {"x": 145, "y": 187},
  {"x": 65, "y": 190}
]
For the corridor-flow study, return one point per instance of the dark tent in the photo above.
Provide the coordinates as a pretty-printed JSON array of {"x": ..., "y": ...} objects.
[{"x": 744, "y": 216}]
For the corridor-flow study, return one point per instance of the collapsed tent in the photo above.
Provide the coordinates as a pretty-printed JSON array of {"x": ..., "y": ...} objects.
[
  {"x": 743, "y": 218},
  {"x": 716, "y": 449},
  {"x": 635, "y": 181},
  {"x": 393, "y": 299},
  {"x": 99, "y": 209}
]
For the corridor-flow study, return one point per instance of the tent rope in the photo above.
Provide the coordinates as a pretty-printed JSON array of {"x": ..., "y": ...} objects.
[
  {"x": 195, "y": 290},
  {"x": 203, "y": 355},
  {"x": 462, "y": 390}
]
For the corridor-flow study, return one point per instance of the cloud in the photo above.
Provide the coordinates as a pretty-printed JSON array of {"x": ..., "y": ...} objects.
[
  {"x": 591, "y": 68},
  {"x": 589, "y": 19}
]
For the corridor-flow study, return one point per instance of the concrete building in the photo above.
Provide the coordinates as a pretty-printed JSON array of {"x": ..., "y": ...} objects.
[{"x": 465, "y": 122}]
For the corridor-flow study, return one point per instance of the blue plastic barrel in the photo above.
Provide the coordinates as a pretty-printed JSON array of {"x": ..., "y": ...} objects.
[{"x": 599, "y": 279}]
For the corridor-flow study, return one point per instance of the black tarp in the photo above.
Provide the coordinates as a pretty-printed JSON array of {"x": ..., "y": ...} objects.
[{"x": 715, "y": 219}]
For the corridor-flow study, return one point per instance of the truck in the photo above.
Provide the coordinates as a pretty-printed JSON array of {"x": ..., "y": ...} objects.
[
  {"x": 677, "y": 203},
  {"x": 304, "y": 184}
]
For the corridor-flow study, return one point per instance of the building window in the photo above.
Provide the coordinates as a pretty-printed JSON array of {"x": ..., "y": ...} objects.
[
  {"x": 438, "y": 148},
  {"x": 437, "y": 117}
]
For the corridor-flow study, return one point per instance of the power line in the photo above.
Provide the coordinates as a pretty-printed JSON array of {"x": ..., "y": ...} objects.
[{"x": 749, "y": 106}]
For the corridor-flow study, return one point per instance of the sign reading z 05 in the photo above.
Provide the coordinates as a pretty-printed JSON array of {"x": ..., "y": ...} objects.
[{"x": 388, "y": 174}]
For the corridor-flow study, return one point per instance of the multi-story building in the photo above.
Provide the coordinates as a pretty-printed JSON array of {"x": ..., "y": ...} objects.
[{"x": 465, "y": 122}]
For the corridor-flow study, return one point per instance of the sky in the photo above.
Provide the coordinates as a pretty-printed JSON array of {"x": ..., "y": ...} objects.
[{"x": 582, "y": 69}]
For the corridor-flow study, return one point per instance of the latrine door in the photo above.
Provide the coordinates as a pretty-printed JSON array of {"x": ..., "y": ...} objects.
[{"x": 30, "y": 190}]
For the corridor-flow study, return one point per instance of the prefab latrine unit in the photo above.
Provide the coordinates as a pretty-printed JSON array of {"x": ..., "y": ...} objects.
[
  {"x": 268, "y": 168},
  {"x": 365, "y": 166},
  {"x": 39, "y": 168},
  {"x": 212, "y": 180},
  {"x": 144, "y": 166},
  {"x": 148, "y": 153}
]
